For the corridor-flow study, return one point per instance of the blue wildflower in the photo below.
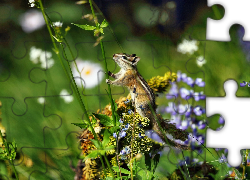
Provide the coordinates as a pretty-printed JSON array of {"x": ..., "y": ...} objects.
[
  {"x": 221, "y": 120},
  {"x": 122, "y": 134},
  {"x": 121, "y": 121},
  {"x": 130, "y": 111},
  {"x": 126, "y": 127},
  {"x": 114, "y": 135},
  {"x": 127, "y": 101},
  {"x": 190, "y": 82},
  {"x": 243, "y": 84},
  {"x": 185, "y": 94},
  {"x": 201, "y": 125},
  {"x": 198, "y": 111},
  {"x": 199, "y": 82}
]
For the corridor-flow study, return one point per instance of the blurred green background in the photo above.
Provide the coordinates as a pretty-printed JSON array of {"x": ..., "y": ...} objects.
[{"x": 152, "y": 30}]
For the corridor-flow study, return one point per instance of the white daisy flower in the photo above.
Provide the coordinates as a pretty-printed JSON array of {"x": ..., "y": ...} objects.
[
  {"x": 35, "y": 54},
  {"x": 41, "y": 100},
  {"x": 57, "y": 24},
  {"x": 187, "y": 47},
  {"x": 31, "y": 21},
  {"x": 200, "y": 61},
  {"x": 89, "y": 72},
  {"x": 66, "y": 97}
]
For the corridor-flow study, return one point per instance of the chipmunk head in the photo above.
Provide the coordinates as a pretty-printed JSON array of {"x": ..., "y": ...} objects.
[{"x": 126, "y": 61}]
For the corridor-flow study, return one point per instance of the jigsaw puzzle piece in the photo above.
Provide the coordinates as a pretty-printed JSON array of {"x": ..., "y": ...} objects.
[
  {"x": 236, "y": 125},
  {"x": 219, "y": 30},
  {"x": 215, "y": 63}
]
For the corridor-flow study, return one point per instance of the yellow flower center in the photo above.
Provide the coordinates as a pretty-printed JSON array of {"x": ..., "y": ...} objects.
[{"x": 88, "y": 72}]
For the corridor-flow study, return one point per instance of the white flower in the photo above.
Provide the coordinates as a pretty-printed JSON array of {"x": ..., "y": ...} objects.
[
  {"x": 57, "y": 24},
  {"x": 31, "y": 21},
  {"x": 97, "y": 129},
  {"x": 89, "y": 72},
  {"x": 65, "y": 96},
  {"x": 35, "y": 54},
  {"x": 41, "y": 100},
  {"x": 46, "y": 56},
  {"x": 187, "y": 47},
  {"x": 200, "y": 61},
  {"x": 38, "y": 55},
  {"x": 32, "y": 3}
]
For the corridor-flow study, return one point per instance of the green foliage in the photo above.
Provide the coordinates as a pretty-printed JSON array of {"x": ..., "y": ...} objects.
[
  {"x": 104, "y": 119},
  {"x": 97, "y": 29},
  {"x": 9, "y": 151},
  {"x": 124, "y": 171}
]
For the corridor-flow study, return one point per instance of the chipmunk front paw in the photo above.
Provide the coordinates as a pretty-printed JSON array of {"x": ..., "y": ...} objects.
[{"x": 108, "y": 81}]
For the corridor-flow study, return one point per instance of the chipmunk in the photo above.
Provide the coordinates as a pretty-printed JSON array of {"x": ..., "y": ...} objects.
[{"x": 142, "y": 96}]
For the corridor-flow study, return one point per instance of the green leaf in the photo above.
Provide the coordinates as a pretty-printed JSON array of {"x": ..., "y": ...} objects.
[
  {"x": 92, "y": 155},
  {"x": 101, "y": 30},
  {"x": 106, "y": 138},
  {"x": 81, "y": 125},
  {"x": 96, "y": 143},
  {"x": 124, "y": 171},
  {"x": 104, "y": 119},
  {"x": 155, "y": 162},
  {"x": 85, "y": 27},
  {"x": 114, "y": 129},
  {"x": 104, "y": 24}
]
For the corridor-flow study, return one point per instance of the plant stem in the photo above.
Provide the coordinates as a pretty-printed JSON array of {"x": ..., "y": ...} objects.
[
  {"x": 245, "y": 164},
  {"x": 104, "y": 170},
  {"x": 75, "y": 89},
  {"x": 85, "y": 101},
  {"x": 8, "y": 151},
  {"x": 109, "y": 89},
  {"x": 132, "y": 145},
  {"x": 107, "y": 162},
  {"x": 106, "y": 66}
]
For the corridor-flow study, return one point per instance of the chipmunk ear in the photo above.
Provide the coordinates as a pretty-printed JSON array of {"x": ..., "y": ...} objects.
[{"x": 136, "y": 60}]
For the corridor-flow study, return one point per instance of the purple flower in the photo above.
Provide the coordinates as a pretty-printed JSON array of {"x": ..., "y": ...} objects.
[
  {"x": 130, "y": 111},
  {"x": 122, "y": 134},
  {"x": 243, "y": 84},
  {"x": 198, "y": 111},
  {"x": 185, "y": 94},
  {"x": 173, "y": 92},
  {"x": 221, "y": 120},
  {"x": 183, "y": 77},
  {"x": 199, "y": 82},
  {"x": 201, "y": 125},
  {"x": 182, "y": 108},
  {"x": 121, "y": 121},
  {"x": 184, "y": 124},
  {"x": 127, "y": 101},
  {"x": 178, "y": 76},
  {"x": 190, "y": 81},
  {"x": 114, "y": 135},
  {"x": 126, "y": 127}
]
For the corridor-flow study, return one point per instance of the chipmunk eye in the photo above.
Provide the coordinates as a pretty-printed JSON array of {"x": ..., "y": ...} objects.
[{"x": 124, "y": 57}]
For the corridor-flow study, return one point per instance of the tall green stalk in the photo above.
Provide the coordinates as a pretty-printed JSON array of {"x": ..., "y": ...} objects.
[
  {"x": 106, "y": 66},
  {"x": 75, "y": 89}
]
